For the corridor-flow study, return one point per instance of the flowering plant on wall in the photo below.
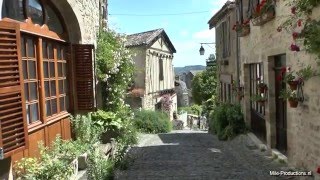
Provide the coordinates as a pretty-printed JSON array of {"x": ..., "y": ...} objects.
[
  {"x": 166, "y": 102},
  {"x": 264, "y": 7},
  {"x": 242, "y": 29},
  {"x": 115, "y": 68},
  {"x": 291, "y": 96}
]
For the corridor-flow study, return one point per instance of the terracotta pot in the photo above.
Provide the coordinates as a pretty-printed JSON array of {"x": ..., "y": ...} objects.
[
  {"x": 293, "y": 103},
  {"x": 293, "y": 85}
]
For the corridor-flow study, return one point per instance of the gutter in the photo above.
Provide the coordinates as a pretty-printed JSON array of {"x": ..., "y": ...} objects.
[{"x": 238, "y": 53}]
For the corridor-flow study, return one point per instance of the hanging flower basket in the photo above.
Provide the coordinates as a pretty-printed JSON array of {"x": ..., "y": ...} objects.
[
  {"x": 293, "y": 85},
  {"x": 264, "y": 18},
  {"x": 293, "y": 103},
  {"x": 244, "y": 31}
]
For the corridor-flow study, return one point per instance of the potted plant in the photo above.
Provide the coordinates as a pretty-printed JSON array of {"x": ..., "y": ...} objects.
[
  {"x": 259, "y": 98},
  {"x": 262, "y": 87},
  {"x": 242, "y": 29},
  {"x": 291, "y": 80},
  {"x": 291, "y": 96},
  {"x": 264, "y": 12}
]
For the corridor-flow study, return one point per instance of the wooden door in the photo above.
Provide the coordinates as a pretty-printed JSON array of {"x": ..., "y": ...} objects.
[
  {"x": 281, "y": 108},
  {"x": 258, "y": 123}
]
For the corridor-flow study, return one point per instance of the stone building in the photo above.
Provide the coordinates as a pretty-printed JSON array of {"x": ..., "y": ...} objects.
[
  {"x": 154, "y": 78},
  {"x": 264, "y": 56},
  {"x": 226, "y": 50},
  {"x": 46, "y": 72},
  {"x": 182, "y": 93}
]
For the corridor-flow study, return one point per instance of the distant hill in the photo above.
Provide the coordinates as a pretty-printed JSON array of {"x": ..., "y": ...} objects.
[{"x": 180, "y": 70}]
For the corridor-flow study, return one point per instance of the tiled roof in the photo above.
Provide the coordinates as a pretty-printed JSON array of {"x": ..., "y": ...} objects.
[
  {"x": 143, "y": 38},
  {"x": 148, "y": 38}
]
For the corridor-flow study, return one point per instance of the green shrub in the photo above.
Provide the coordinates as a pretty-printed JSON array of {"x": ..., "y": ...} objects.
[
  {"x": 99, "y": 168},
  {"x": 226, "y": 121},
  {"x": 152, "y": 121},
  {"x": 84, "y": 129},
  {"x": 54, "y": 163}
]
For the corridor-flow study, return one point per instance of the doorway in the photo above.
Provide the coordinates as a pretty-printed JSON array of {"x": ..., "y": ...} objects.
[
  {"x": 258, "y": 123},
  {"x": 281, "y": 106}
]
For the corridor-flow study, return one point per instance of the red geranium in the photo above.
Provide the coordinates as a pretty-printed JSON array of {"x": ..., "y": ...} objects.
[
  {"x": 294, "y": 47},
  {"x": 318, "y": 170},
  {"x": 279, "y": 29},
  {"x": 293, "y": 10},
  {"x": 295, "y": 35},
  {"x": 299, "y": 22}
]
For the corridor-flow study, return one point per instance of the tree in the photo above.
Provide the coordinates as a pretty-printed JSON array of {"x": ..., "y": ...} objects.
[{"x": 204, "y": 85}]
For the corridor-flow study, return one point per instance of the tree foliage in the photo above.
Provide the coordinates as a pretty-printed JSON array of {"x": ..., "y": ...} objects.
[{"x": 204, "y": 85}]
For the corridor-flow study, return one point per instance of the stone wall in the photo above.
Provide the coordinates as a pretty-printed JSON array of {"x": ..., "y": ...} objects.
[{"x": 303, "y": 125}]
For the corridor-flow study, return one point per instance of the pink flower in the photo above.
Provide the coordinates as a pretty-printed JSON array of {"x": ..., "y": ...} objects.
[
  {"x": 295, "y": 35},
  {"x": 299, "y": 22}
]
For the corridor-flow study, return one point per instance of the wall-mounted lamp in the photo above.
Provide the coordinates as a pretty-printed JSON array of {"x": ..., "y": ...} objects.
[{"x": 201, "y": 50}]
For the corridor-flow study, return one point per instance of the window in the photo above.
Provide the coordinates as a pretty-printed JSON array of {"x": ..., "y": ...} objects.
[
  {"x": 226, "y": 38},
  {"x": 255, "y": 74},
  {"x": 39, "y": 11},
  {"x": 252, "y": 4},
  {"x": 35, "y": 11},
  {"x": 30, "y": 76},
  {"x": 13, "y": 9},
  {"x": 55, "y": 97},
  {"x": 161, "y": 77}
]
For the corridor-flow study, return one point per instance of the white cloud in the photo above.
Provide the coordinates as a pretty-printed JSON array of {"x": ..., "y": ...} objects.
[
  {"x": 217, "y": 4},
  {"x": 184, "y": 33},
  {"x": 207, "y": 35}
]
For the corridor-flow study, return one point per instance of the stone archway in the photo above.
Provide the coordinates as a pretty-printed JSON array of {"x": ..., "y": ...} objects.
[{"x": 72, "y": 22}]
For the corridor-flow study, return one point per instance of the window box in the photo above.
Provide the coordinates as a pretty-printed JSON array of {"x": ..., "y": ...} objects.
[
  {"x": 244, "y": 31},
  {"x": 264, "y": 18}
]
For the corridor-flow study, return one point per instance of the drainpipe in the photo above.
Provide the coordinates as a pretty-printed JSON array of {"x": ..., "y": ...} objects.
[{"x": 238, "y": 51}]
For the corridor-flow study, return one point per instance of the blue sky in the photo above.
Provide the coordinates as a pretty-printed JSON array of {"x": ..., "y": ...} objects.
[{"x": 185, "y": 31}]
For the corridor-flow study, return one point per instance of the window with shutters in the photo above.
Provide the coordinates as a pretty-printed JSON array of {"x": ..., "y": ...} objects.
[
  {"x": 225, "y": 32},
  {"x": 53, "y": 76}
]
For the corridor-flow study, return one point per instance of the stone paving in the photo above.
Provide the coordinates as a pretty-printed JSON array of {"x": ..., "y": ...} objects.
[{"x": 187, "y": 154}]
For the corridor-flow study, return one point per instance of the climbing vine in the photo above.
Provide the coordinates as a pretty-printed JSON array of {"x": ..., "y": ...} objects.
[
  {"x": 302, "y": 27},
  {"x": 115, "y": 68}
]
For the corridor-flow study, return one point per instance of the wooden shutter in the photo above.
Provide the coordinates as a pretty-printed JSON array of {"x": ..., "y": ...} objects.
[
  {"x": 83, "y": 54},
  {"x": 161, "y": 77},
  {"x": 13, "y": 124}
]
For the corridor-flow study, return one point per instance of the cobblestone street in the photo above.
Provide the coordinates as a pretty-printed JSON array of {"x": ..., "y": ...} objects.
[{"x": 189, "y": 154}]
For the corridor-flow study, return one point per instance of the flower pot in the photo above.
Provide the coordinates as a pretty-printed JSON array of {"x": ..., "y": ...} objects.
[
  {"x": 293, "y": 103},
  {"x": 264, "y": 18},
  {"x": 244, "y": 31},
  {"x": 74, "y": 165},
  {"x": 293, "y": 85}
]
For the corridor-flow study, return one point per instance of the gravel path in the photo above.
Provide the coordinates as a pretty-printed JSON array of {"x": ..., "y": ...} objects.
[{"x": 196, "y": 155}]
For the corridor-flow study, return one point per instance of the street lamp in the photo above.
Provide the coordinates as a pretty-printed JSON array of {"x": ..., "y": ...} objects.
[{"x": 201, "y": 50}]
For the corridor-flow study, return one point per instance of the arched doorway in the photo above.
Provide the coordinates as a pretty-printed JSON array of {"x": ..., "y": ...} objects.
[{"x": 38, "y": 75}]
